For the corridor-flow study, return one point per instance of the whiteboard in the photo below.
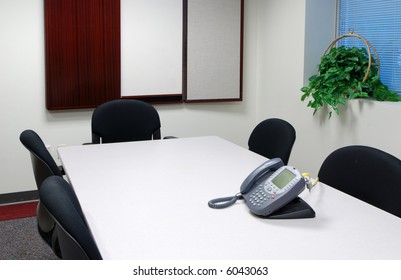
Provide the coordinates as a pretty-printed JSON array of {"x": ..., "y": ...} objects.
[{"x": 151, "y": 47}]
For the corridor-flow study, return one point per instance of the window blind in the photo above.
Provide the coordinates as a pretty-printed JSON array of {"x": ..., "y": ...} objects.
[{"x": 379, "y": 22}]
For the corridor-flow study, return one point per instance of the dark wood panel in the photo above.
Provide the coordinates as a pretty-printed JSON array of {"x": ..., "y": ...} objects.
[{"x": 82, "y": 52}]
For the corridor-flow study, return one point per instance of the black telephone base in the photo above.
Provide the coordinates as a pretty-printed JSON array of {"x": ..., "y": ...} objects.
[{"x": 296, "y": 209}]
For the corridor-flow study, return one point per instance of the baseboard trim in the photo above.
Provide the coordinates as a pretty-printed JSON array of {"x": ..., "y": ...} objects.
[{"x": 18, "y": 197}]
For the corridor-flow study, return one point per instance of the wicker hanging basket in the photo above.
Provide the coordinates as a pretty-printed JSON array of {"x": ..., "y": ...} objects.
[{"x": 369, "y": 47}]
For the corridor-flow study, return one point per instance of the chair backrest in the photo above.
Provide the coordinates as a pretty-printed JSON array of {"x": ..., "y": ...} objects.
[
  {"x": 366, "y": 173},
  {"x": 43, "y": 163},
  {"x": 273, "y": 138},
  {"x": 125, "y": 120},
  {"x": 74, "y": 237},
  {"x": 43, "y": 166}
]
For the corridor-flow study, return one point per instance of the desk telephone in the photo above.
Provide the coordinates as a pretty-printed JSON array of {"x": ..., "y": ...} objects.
[{"x": 271, "y": 190}]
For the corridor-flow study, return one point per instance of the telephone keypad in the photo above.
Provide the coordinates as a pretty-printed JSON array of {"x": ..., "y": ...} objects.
[{"x": 260, "y": 196}]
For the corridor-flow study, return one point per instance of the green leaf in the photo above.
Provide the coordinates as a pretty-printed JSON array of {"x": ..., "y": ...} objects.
[{"x": 339, "y": 77}]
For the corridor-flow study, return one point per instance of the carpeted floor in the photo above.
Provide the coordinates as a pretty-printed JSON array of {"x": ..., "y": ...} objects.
[{"x": 20, "y": 240}]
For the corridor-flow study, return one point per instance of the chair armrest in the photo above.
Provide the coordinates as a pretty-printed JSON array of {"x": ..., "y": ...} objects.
[{"x": 61, "y": 170}]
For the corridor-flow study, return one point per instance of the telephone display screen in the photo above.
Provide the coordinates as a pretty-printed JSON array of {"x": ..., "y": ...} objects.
[{"x": 283, "y": 178}]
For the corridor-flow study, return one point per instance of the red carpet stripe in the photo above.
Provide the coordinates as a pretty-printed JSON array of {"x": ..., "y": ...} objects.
[{"x": 17, "y": 211}]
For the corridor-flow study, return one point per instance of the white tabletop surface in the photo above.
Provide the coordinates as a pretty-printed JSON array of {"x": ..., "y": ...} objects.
[{"x": 148, "y": 200}]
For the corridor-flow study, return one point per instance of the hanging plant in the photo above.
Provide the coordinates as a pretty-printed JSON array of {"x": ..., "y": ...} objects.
[{"x": 346, "y": 73}]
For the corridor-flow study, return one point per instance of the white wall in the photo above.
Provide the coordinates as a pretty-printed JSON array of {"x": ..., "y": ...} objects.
[
  {"x": 283, "y": 41},
  {"x": 292, "y": 36}
]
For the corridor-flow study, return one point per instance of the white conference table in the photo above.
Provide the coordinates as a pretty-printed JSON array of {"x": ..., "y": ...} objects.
[{"x": 148, "y": 200}]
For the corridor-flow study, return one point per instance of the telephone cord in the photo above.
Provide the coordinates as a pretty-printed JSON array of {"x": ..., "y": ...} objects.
[{"x": 224, "y": 202}]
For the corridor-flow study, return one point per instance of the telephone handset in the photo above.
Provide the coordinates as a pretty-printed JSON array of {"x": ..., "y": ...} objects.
[
  {"x": 270, "y": 187},
  {"x": 268, "y": 166}
]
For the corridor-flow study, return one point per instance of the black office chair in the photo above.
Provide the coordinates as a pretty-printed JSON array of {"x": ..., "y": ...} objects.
[
  {"x": 43, "y": 166},
  {"x": 74, "y": 237},
  {"x": 366, "y": 173},
  {"x": 125, "y": 120},
  {"x": 273, "y": 138}
]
